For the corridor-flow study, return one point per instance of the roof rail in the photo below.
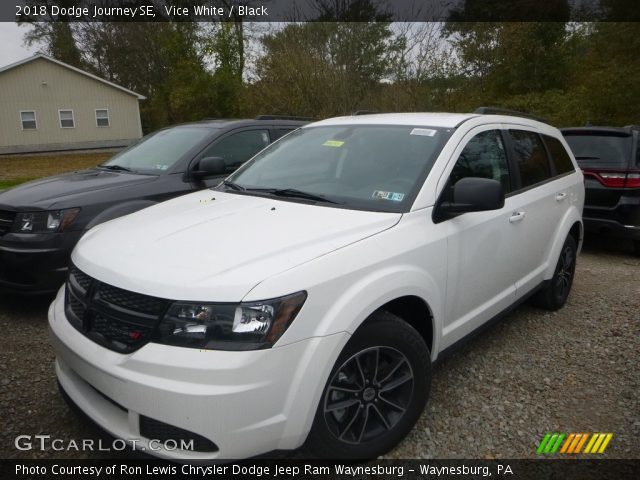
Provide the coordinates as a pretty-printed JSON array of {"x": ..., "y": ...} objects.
[
  {"x": 632, "y": 127},
  {"x": 505, "y": 111},
  {"x": 285, "y": 117},
  {"x": 363, "y": 112}
]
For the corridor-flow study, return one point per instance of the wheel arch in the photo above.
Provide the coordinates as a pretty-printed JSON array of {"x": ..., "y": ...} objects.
[
  {"x": 415, "y": 311},
  {"x": 571, "y": 224}
]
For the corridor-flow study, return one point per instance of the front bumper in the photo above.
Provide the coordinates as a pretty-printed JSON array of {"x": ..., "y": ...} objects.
[
  {"x": 246, "y": 403},
  {"x": 35, "y": 263}
]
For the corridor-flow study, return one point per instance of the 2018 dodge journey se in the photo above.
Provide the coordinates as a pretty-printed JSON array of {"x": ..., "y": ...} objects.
[{"x": 303, "y": 300}]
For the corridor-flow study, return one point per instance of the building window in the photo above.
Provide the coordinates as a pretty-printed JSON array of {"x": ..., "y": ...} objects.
[
  {"x": 28, "y": 118},
  {"x": 102, "y": 117},
  {"x": 66, "y": 119}
]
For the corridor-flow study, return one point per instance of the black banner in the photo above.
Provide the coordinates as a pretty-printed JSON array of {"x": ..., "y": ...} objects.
[
  {"x": 320, "y": 470},
  {"x": 317, "y": 10}
]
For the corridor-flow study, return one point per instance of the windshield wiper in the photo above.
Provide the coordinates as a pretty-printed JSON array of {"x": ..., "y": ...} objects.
[
  {"x": 587, "y": 158},
  {"x": 233, "y": 186},
  {"x": 294, "y": 193},
  {"x": 118, "y": 168}
]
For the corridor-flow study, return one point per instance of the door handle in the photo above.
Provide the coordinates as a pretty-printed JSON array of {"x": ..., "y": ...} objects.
[
  {"x": 561, "y": 196},
  {"x": 516, "y": 217}
]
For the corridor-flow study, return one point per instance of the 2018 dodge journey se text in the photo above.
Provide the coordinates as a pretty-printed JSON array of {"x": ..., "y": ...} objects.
[{"x": 303, "y": 300}]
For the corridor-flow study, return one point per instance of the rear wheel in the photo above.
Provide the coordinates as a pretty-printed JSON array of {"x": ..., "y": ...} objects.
[
  {"x": 554, "y": 295},
  {"x": 375, "y": 393}
]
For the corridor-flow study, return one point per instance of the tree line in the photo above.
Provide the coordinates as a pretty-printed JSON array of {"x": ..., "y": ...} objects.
[{"x": 571, "y": 73}]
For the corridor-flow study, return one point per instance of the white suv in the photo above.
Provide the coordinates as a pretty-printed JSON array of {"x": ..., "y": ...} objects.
[{"x": 304, "y": 299}]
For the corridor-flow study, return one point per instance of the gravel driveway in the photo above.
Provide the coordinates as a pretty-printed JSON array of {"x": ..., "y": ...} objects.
[{"x": 535, "y": 372}]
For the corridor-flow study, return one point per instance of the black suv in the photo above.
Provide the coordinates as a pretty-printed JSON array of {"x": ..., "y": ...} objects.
[
  {"x": 610, "y": 160},
  {"x": 41, "y": 221}
]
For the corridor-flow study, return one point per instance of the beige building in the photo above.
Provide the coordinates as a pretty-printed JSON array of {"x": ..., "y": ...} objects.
[{"x": 47, "y": 105}]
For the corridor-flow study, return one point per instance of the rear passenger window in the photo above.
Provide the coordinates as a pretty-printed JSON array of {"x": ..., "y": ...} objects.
[
  {"x": 530, "y": 157},
  {"x": 485, "y": 157},
  {"x": 559, "y": 155}
]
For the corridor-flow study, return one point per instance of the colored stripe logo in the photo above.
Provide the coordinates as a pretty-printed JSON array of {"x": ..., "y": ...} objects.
[{"x": 574, "y": 443}]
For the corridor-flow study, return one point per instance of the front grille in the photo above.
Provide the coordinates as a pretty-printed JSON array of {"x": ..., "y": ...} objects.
[
  {"x": 130, "y": 300},
  {"x": 156, "y": 430},
  {"x": 82, "y": 279},
  {"x": 6, "y": 221},
  {"x": 118, "y": 319}
]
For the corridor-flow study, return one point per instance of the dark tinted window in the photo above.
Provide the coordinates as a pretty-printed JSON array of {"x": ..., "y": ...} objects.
[
  {"x": 239, "y": 147},
  {"x": 530, "y": 157},
  {"x": 559, "y": 155},
  {"x": 280, "y": 132},
  {"x": 484, "y": 156},
  {"x": 594, "y": 149}
]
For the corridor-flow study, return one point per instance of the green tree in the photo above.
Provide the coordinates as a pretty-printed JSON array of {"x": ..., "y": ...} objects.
[{"x": 323, "y": 69}]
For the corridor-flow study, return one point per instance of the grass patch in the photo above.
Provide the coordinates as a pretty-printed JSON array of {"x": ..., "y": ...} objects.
[
  {"x": 16, "y": 169},
  {"x": 4, "y": 184}
]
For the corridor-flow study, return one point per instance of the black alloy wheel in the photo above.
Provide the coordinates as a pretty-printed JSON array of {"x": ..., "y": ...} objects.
[
  {"x": 368, "y": 394},
  {"x": 375, "y": 393},
  {"x": 554, "y": 295}
]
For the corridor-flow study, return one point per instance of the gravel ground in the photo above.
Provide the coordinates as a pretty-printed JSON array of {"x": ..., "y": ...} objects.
[{"x": 535, "y": 372}]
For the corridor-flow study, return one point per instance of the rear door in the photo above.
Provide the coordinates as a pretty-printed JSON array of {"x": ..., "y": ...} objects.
[{"x": 538, "y": 203}]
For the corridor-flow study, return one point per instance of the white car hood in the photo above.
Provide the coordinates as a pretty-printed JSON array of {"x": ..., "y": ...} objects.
[{"x": 215, "y": 246}]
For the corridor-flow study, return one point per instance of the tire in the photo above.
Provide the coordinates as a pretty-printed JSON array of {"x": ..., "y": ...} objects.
[
  {"x": 636, "y": 247},
  {"x": 555, "y": 293},
  {"x": 375, "y": 393}
]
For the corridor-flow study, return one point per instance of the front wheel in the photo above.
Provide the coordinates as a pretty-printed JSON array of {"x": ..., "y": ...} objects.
[
  {"x": 375, "y": 392},
  {"x": 554, "y": 295}
]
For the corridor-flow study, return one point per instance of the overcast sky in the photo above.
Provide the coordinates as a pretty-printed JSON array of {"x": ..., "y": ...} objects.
[{"x": 11, "y": 48}]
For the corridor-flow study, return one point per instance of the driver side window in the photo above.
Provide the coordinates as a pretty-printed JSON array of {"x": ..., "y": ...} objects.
[
  {"x": 238, "y": 147},
  {"x": 485, "y": 157}
]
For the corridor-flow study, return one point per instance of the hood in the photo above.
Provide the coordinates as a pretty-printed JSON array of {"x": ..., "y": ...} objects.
[
  {"x": 215, "y": 246},
  {"x": 67, "y": 190}
]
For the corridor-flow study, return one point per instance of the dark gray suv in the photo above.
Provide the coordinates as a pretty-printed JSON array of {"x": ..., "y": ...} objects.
[
  {"x": 41, "y": 221},
  {"x": 610, "y": 160}
]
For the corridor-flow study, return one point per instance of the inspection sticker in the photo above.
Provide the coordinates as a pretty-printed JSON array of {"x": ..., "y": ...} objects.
[
  {"x": 423, "y": 132},
  {"x": 333, "y": 143},
  {"x": 393, "y": 196}
]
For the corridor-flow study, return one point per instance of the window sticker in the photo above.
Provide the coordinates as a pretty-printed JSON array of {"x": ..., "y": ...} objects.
[
  {"x": 333, "y": 143},
  {"x": 162, "y": 167},
  {"x": 423, "y": 132},
  {"x": 393, "y": 196}
]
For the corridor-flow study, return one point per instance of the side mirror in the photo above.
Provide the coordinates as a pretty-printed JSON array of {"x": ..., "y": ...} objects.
[
  {"x": 210, "y": 167},
  {"x": 475, "y": 194}
]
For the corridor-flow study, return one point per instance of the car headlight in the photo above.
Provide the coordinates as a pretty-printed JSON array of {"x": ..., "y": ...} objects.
[
  {"x": 226, "y": 326},
  {"x": 46, "y": 221}
]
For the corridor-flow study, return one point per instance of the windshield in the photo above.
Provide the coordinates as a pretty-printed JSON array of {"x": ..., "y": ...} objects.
[
  {"x": 600, "y": 150},
  {"x": 158, "y": 151},
  {"x": 365, "y": 167}
]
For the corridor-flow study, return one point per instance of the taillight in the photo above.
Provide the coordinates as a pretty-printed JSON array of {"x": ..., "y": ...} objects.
[
  {"x": 615, "y": 178},
  {"x": 633, "y": 180}
]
